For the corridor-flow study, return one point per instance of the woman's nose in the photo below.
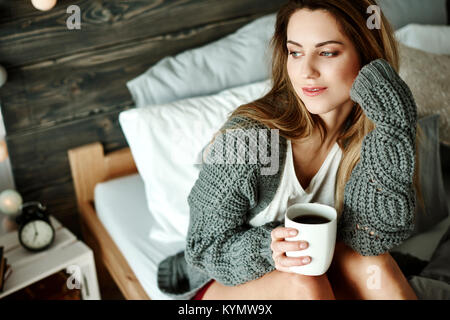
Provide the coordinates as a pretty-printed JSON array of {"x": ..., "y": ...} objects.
[{"x": 308, "y": 69}]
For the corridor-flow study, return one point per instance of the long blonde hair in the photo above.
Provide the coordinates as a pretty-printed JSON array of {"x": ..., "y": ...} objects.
[{"x": 282, "y": 109}]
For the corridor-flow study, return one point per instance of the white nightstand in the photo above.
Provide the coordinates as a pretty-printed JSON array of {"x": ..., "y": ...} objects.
[{"x": 66, "y": 253}]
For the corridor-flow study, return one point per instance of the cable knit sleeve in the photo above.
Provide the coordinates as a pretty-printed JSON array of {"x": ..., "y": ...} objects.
[
  {"x": 220, "y": 241},
  {"x": 379, "y": 198}
]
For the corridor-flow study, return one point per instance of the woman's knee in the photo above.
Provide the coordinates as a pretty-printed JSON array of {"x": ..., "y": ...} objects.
[
  {"x": 309, "y": 287},
  {"x": 372, "y": 277},
  {"x": 348, "y": 259}
]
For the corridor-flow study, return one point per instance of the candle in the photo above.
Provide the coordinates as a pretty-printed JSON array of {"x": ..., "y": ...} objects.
[
  {"x": 10, "y": 202},
  {"x": 3, "y": 151},
  {"x": 8, "y": 224}
]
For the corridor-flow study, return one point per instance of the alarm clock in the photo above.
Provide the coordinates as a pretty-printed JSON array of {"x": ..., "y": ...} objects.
[{"x": 36, "y": 232}]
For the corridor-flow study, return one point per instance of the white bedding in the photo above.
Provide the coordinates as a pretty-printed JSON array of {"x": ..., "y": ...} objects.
[{"x": 121, "y": 207}]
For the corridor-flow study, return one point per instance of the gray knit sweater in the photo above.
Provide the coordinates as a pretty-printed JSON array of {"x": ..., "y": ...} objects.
[{"x": 379, "y": 198}]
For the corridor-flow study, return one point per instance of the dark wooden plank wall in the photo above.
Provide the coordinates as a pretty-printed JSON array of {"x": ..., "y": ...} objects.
[{"x": 67, "y": 87}]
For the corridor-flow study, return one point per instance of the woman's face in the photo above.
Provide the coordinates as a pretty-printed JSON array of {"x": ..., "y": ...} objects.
[{"x": 314, "y": 61}]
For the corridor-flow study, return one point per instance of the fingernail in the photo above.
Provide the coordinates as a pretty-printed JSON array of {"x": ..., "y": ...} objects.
[
  {"x": 293, "y": 232},
  {"x": 302, "y": 245},
  {"x": 305, "y": 260}
]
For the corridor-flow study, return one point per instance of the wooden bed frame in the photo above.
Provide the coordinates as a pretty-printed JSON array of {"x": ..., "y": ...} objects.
[{"x": 90, "y": 165}]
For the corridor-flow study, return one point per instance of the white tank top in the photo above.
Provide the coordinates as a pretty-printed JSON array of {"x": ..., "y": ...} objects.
[{"x": 290, "y": 191}]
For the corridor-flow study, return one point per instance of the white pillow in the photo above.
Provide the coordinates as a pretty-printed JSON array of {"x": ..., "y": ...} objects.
[
  {"x": 433, "y": 39},
  {"x": 237, "y": 59},
  {"x": 402, "y": 12},
  {"x": 166, "y": 142}
]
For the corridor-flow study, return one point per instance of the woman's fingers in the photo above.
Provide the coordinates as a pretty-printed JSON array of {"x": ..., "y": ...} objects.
[
  {"x": 279, "y": 248},
  {"x": 282, "y": 262},
  {"x": 280, "y": 233},
  {"x": 283, "y": 246},
  {"x": 280, "y": 245}
]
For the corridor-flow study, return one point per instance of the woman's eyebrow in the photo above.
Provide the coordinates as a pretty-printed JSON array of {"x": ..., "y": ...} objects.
[{"x": 317, "y": 45}]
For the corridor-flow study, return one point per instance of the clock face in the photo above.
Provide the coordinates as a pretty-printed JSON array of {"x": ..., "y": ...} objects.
[{"x": 36, "y": 234}]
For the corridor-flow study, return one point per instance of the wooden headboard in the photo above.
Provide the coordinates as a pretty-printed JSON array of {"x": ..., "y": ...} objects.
[{"x": 66, "y": 87}]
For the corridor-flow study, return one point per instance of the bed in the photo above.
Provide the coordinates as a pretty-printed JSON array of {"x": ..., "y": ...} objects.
[{"x": 112, "y": 189}]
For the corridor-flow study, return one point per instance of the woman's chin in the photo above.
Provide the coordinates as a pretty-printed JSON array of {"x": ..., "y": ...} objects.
[{"x": 318, "y": 110}]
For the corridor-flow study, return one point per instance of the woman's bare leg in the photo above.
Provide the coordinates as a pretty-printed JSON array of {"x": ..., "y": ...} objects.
[
  {"x": 354, "y": 276},
  {"x": 275, "y": 285}
]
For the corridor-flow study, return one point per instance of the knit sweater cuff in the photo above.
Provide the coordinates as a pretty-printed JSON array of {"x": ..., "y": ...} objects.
[
  {"x": 265, "y": 248},
  {"x": 369, "y": 241}
]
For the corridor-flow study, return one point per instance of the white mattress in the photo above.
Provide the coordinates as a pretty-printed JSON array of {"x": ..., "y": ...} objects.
[{"x": 121, "y": 207}]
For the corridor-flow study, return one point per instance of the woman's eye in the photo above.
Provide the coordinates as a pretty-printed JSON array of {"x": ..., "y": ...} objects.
[
  {"x": 329, "y": 54},
  {"x": 297, "y": 54}
]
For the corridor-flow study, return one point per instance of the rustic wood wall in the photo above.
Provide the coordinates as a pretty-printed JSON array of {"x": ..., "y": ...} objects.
[{"x": 67, "y": 87}]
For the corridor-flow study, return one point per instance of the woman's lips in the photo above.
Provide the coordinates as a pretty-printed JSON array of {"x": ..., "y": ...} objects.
[{"x": 313, "y": 91}]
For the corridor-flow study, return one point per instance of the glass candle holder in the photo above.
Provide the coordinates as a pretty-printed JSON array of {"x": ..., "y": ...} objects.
[
  {"x": 43, "y": 5},
  {"x": 10, "y": 202}
]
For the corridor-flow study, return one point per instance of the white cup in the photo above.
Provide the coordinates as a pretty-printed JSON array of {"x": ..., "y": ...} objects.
[{"x": 321, "y": 237}]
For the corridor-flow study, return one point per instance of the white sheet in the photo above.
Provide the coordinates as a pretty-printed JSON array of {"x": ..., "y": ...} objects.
[{"x": 121, "y": 207}]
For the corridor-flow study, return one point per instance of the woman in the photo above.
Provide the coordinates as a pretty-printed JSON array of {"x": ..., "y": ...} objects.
[{"x": 346, "y": 137}]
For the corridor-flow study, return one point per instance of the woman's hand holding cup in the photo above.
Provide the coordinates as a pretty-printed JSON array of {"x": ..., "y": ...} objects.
[{"x": 279, "y": 248}]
